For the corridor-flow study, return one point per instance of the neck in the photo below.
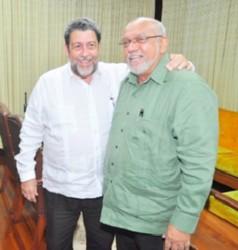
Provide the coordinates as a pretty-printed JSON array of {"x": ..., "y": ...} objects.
[
  {"x": 87, "y": 79},
  {"x": 142, "y": 79}
]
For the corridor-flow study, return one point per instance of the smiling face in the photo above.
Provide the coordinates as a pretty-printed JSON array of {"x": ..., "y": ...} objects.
[
  {"x": 145, "y": 47},
  {"x": 83, "y": 53}
]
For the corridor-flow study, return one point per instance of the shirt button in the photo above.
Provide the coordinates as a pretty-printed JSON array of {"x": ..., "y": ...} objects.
[
  {"x": 127, "y": 113},
  {"x": 116, "y": 146},
  {"x": 121, "y": 130}
]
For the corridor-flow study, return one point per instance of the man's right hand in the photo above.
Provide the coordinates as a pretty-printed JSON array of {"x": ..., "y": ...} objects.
[{"x": 29, "y": 190}]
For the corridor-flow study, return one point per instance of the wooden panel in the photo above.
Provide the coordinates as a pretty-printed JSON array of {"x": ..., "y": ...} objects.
[
  {"x": 213, "y": 233},
  {"x": 226, "y": 179}
]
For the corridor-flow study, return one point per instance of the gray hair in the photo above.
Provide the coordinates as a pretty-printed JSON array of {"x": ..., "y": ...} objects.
[
  {"x": 157, "y": 24},
  {"x": 81, "y": 24}
]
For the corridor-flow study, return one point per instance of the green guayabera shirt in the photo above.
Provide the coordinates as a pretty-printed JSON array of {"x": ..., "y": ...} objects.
[{"x": 161, "y": 152}]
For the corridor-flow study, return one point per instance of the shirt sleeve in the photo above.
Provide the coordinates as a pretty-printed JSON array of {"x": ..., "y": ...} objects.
[
  {"x": 192, "y": 66},
  {"x": 31, "y": 135},
  {"x": 196, "y": 130}
]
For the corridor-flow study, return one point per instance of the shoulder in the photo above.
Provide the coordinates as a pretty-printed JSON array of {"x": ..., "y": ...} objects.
[
  {"x": 189, "y": 89},
  {"x": 184, "y": 76},
  {"x": 122, "y": 67},
  {"x": 52, "y": 79},
  {"x": 63, "y": 70},
  {"x": 115, "y": 72},
  {"x": 55, "y": 76},
  {"x": 187, "y": 81}
]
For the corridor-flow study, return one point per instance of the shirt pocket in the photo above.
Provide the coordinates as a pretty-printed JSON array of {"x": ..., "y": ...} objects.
[
  {"x": 154, "y": 152},
  {"x": 153, "y": 141},
  {"x": 62, "y": 119}
]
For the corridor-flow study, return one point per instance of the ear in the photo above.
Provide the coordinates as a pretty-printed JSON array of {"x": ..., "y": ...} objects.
[
  {"x": 66, "y": 50},
  {"x": 163, "y": 44}
]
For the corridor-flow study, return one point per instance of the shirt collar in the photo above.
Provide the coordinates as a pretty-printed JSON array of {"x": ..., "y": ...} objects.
[{"x": 157, "y": 76}]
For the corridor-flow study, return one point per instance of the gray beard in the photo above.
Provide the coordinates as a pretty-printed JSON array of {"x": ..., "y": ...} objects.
[
  {"x": 141, "y": 69},
  {"x": 82, "y": 73}
]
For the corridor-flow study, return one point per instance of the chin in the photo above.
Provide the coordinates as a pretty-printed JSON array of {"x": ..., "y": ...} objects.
[{"x": 138, "y": 71}]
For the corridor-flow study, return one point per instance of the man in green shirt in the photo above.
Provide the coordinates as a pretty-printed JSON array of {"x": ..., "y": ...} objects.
[{"x": 162, "y": 147}]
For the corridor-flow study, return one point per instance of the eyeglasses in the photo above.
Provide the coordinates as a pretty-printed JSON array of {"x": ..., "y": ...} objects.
[{"x": 139, "y": 39}]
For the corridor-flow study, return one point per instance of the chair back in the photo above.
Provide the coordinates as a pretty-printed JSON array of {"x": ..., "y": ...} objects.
[
  {"x": 6, "y": 141},
  {"x": 4, "y": 111},
  {"x": 4, "y": 145},
  {"x": 14, "y": 124},
  {"x": 10, "y": 126}
]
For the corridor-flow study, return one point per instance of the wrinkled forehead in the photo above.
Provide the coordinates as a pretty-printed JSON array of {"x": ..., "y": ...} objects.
[{"x": 83, "y": 36}]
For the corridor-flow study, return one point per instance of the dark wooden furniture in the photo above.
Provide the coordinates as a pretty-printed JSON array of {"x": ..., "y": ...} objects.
[
  {"x": 3, "y": 111},
  {"x": 225, "y": 199},
  {"x": 14, "y": 123},
  {"x": 10, "y": 130},
  {"x": 226, "y": 179},
  {"x": 20, "y": 235}
]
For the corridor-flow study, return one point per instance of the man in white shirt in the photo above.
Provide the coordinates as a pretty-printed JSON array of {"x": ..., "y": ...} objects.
[{"x": 70, "y": 111}]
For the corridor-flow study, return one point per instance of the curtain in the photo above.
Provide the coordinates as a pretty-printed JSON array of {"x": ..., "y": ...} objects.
[
  {"x": 206, "y": 31},
  {"x": 32, "y": 42}
]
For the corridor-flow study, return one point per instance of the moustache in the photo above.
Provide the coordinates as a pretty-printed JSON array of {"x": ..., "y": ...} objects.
[
  {"x": 132, "y": 56},
  {"x": 84, "y": 59}
]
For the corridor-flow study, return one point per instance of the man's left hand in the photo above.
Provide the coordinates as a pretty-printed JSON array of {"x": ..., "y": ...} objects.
[{"x": 179, "y": 61}]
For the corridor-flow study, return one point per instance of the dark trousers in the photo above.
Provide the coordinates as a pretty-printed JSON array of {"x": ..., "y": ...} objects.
[
  {"x": 62, "y": 214},
  {"x": 127, "y": 240}
]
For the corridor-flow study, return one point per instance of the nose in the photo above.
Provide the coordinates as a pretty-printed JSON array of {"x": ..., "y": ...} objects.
[{"x": 84, "y": 50}]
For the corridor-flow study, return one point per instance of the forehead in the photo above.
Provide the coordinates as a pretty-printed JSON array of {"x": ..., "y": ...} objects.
[
  {"x": 83, "y": 36},
  {"x": 139, "y": 28}
]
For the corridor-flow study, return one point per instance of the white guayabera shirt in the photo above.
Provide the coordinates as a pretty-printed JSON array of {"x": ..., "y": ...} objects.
[{"x": 72, "y": 119}]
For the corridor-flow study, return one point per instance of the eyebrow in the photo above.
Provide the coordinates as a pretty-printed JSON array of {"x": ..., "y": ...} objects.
[{"x": 83, "y": 42}]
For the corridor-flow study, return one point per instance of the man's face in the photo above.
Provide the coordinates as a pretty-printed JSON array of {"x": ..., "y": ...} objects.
[
  {"x": 141, "y": 54},
  {"x": 83, "y": 52}
]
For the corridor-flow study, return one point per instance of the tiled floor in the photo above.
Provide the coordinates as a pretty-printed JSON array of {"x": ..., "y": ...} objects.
[{"x": 79, "y": 238}]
